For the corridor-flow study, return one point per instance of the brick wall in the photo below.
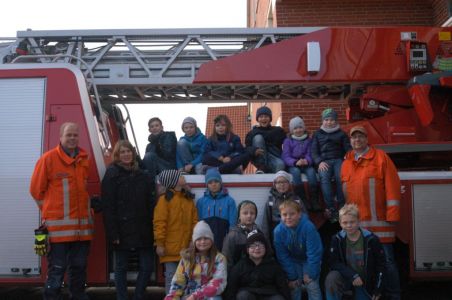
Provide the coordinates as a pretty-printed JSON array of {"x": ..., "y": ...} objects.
[
  {"x": 258, "y": 13},
  {"x": 440, "y": 11},
  {"x": 311, "y": 111},
  {"x": 353, "y": 12}
]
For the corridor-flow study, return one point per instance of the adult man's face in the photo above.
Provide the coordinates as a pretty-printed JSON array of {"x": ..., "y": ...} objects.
[
  {"x": 69, "y": 137},
  {"x": 358, "y": 141}
]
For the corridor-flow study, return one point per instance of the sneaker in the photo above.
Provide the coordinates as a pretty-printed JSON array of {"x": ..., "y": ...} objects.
[{"x": 260, "y": 172}]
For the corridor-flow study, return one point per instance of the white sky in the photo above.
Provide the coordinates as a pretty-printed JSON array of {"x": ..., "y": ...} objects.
[{"x": 136, "y": 14}]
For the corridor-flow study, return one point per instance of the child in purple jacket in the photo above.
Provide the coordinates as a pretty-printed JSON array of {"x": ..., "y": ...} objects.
[{"x": 297, "y": 157}]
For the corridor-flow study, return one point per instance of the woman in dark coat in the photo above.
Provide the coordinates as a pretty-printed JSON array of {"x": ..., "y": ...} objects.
[{"x": 127, "y": 194}]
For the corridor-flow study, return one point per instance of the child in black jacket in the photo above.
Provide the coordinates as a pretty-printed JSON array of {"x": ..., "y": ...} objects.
[
  {"x": 357, "y": 260},
  {"x": 258, "y": 275}
]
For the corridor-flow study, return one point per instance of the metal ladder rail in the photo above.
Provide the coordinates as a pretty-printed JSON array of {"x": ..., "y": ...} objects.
[{"x": 160, "y": 56}]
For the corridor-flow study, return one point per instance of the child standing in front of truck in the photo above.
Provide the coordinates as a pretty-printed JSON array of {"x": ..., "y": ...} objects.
[
  {"x": 216, "y": 207},
  {"x": 175, "y": 216}
]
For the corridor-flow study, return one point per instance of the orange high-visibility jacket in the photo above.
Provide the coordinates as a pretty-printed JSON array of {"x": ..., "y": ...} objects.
[
  {"x": 58, "y": 185},
  {"x": 373, "y": 184}
]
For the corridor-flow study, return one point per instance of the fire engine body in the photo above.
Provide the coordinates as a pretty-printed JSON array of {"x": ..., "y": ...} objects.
[{"x": 383, "y": 73}]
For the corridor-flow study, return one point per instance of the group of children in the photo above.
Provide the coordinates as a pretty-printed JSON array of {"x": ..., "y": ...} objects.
[
  {"x": 267, "y": 147},
  {"x": 226, "y": 255}
]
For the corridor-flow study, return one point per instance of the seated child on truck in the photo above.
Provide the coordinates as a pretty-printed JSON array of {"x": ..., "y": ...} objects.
[{"x": 224, "y": 149}]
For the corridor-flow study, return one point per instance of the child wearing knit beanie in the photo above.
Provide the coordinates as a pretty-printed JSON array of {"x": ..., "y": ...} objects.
[
  {"x": 257, "y": 275},
  {"x": 201, "y": 273},
  {"x": 281, "y": 191},
  {"x": 175, "y": 215},
  {"x": 297, "y": 157},
  {"x": 329, "y": 146},
  {"x": 264, "y": 143},
  {"x": 190, "y": 148},
  {"x": 234, "y": 244},
  {"x": 216, "y": 207}
]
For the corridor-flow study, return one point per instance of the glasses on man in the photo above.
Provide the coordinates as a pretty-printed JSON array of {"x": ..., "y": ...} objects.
[{"x": 257, "y": 245}]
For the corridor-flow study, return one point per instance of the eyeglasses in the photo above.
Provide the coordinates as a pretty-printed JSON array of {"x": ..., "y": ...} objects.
[
  {"x": 281, "y": 182},
  {"x": 256, "y": 245}
]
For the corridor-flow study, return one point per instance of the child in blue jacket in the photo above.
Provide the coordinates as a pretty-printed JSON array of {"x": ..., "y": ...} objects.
[
  {"x": 217, "y": 208},
  {"x": 224, "y": 149},
  {"x": 190, "y": 148},
  {"x": 299, "y": 250}
]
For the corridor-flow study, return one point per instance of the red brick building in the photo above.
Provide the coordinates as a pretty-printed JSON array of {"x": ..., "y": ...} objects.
[{"x": 309, "y": 13}]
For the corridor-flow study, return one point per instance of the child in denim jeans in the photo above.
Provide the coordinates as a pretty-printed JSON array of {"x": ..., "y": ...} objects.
[
  {"x": 190, "y": 148},
  {"x": 299, "y": 250},
  {"x": 297, "y": 157},
  {"x": 329, "y": 146}
]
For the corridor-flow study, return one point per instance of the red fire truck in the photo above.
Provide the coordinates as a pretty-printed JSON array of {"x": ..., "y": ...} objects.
[{"x": 397, "y": 83}]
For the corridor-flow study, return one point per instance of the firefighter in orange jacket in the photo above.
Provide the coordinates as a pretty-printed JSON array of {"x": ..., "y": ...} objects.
[
  {"x": 58, "y": 185},
  {"x": 370, "y": 180}
]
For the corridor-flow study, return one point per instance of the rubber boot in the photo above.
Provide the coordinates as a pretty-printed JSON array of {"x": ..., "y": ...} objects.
[{"x": 299, "y": 191}]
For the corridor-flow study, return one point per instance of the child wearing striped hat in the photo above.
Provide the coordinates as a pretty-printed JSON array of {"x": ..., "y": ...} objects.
[{"x": 175, "y": 216}]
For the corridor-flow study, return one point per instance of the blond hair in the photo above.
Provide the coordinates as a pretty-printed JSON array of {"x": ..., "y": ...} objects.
[
  {"x": 349, "y": 209},
  {"x": 128, "y": 145},
  {"x": 290, "y": 204}
]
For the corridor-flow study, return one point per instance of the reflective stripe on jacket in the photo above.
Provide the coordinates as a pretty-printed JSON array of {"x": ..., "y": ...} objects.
[
  {"x": 373, "y": 184},
  {"x": 58, "y": 185}
]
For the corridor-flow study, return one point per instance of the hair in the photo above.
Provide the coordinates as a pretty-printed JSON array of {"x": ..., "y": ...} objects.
[
  {"x": 246, "y": 204},
  {"x": 125, "y": 144},
  {"x": 290, "y": 204},
  {"x": 66, "y": 125},
  {"x": 151, "y": 120},
  {"x": 349, "y": 209},
  {"x": 190, "y": 255},
  {"x": 228, "y": 122}
]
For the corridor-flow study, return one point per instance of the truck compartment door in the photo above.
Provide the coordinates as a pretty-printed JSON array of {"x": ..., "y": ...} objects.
[
  {"x": 21, "y": 135},
  {"x": 432, "y": 210}
]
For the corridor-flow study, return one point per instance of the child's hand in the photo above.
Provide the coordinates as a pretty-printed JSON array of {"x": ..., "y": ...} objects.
[
  {"x": 323, "y": 166},
  {"x": 160, "y": 251},
  {"x": 226, "y": 159},
  {"x": 188, "y": 168},
  {"x": 357, "y": 282},
  {"x": 293, "y": 284},
  {"x": 191, "y": 297},
  {"x": 306, "y": 279},
  {"x": 259, "y": 151},
  {"x": 301, "y": 162}
]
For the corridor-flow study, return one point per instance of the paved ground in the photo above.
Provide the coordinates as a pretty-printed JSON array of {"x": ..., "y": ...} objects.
[{"x": 418, "y": 291}]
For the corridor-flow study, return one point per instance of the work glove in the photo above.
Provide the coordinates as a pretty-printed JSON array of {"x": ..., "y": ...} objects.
[{"x": 41, "y": 240}]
